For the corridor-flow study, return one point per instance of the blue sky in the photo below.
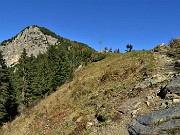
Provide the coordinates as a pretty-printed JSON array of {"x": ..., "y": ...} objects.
[{"x": 142, "y": 23}]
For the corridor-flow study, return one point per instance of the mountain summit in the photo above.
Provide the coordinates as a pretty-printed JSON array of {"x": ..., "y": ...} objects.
[{"x": 34, "y": 39}]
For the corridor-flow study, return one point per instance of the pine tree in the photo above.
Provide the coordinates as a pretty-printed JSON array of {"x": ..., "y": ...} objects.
[
  {"x": 34, "y": 78},
  {"x": 60, "y": 66},
  {"x": 129, "y": 48},
  {"x": 8, "y": 107},
  {"x": 110, "y": 50},
  {"x": 23, "y": 71}
]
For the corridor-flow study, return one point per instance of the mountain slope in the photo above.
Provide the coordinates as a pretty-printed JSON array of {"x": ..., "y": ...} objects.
[
  {"x": 35, "y": 40},
  {"x": 90, "y": 100},
  {"x": 43, "y": 65}
]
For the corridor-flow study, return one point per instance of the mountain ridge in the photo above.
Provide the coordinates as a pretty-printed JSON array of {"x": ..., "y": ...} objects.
[{"x": 34, "y": 39}]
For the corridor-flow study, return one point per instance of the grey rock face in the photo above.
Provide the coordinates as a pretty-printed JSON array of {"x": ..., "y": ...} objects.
[
  {"x": 161, "y": 122},
  {"x": 154, "y": 80},
  {"x": 32, "y": 39},
  {"x": 174, "y": 86}
]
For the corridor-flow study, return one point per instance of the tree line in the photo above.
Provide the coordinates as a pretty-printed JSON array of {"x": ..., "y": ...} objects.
[{"x": 129, "y": 48}]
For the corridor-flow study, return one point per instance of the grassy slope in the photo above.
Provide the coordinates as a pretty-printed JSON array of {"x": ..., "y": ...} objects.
[{"x": 96, "y": 89}]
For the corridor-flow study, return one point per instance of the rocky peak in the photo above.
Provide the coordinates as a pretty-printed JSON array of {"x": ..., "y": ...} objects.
[{"x": 32, "y": 38}]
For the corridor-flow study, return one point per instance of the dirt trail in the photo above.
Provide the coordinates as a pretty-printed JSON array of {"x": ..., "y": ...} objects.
[
  {"x": 164, "y": 65},
  {"x": 138, "y": 105}
]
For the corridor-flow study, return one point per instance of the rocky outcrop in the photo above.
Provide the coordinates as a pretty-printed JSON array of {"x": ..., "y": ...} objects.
[
  {"x": 165, "y": 121},
  {"x": 159, "y": 78},
  {"x": 172, "y": 88},
  {"x": 160, "y": 48},
  {"x": 32, "y": 39},
  {"x": 161, "y": 122}
]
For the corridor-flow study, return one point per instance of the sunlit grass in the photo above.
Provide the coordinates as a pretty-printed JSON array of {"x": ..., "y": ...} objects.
[{"x": 95, "y": 90}]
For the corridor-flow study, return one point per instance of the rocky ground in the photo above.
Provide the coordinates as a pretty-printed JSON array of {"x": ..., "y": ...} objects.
[{"x": 157, "y": 97}]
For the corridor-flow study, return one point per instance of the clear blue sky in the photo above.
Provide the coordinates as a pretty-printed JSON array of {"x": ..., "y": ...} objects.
[{"x": 142, "y": 23}]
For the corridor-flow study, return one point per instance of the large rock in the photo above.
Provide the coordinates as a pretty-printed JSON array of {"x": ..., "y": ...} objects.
[
  {"x": 161, "y": 122},
  {"x": 174, "y": 86},
  {"x": 153, "y": 81}
]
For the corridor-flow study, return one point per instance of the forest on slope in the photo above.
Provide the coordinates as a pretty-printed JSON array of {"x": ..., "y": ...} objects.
[{"x": 32, "y": 78}]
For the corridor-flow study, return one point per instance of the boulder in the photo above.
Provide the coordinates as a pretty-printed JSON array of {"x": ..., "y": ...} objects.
[
  {"x": 157, "y": 79},
  {"x": 174, "y": 86},
  {"x": 172, "y": 89},
  {"x": 165, "y": 121}
]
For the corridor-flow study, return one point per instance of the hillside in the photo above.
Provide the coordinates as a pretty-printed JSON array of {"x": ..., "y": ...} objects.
[
  {"x": 98, "y": 93},
  {"x": 93, "y": 97},
  {"x": 32, "y": 66}
]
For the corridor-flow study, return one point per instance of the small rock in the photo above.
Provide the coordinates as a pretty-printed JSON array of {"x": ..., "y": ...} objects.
[
  {"x": 163, "y": 105},
  {"x": 170, "y": 96},
  {"x": 122, "y": 110},
  {"x": 169, "y": 103},
  {"x": 79, "y": 119},
  {"x": 136, "y": 105},
  {"x": 89, "y": 124},
  {"x": 135, "y": 112},
  {"x": 171, "y": 73},
  {"x": 148, "y": 103},
  {"x": 175, "y": 101},
  {"x": 149, "y": 98},
  {"x": 95, "y": 121},
  {"x": 71, "y": 123}
]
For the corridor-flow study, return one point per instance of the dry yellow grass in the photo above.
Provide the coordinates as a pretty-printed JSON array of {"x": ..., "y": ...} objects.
[{"x": 96, "y": 90}]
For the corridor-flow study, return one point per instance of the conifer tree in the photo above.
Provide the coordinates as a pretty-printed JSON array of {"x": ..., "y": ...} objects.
[
  {"x": 129, "y": 48},
  {"x": 110, "y": 50},
  {"x": 8, "y": 107},
  {"x": 24, "y": 91}
]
